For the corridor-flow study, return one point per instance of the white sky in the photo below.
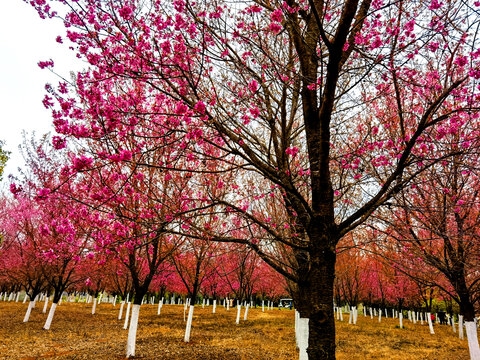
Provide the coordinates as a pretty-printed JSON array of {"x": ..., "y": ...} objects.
[{"x": 25, "y": 39}]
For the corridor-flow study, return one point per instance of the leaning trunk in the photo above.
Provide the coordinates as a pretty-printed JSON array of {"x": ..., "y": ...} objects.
[
  {"x": 29, "y": 310},
  {"x": 56, "y": 298},
  {"x": 48, "y": 323}
]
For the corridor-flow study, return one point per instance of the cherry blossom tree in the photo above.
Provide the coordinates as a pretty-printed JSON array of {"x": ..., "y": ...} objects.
[
  {"x": 195, "y": 261},
  {"x": 327, "y": 102},
  {"x": 436, "y": 226},
  {"x": 20, "y": 259}
]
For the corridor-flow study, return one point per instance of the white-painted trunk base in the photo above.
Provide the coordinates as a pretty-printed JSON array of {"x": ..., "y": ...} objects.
[
  {"x": 246, "y": 313},
  {"x": 127, "y": 314},
  {"x": 238, "y": 314},
  {"x": 430, "y": 325},
  {"x": 45, "y": 306},
  {"x": 132, "y": 331},
  {"x": 94, "y": 307},
  {"x": 188, "y": 329},
  {"x": 121, "y": 310},
  {"x": 160, "y": 304},
  {"x": 472, "y": 337},
  {"x": 297, "y": 316},
  {"x": 302, "y": 340},
  {"x": 29, "y": 310},
  {"x": 48, "y": 323},
  {"x": 460, "y": 327}
]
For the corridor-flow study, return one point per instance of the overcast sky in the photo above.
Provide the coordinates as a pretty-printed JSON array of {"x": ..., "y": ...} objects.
[{"x": 25, "y": 39}]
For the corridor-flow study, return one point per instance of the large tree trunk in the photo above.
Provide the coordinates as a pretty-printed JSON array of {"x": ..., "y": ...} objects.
[{"x": 315, "y": 302}]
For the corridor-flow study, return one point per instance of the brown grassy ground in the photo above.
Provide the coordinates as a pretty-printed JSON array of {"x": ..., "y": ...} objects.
[{"x": 76, "y": 334}]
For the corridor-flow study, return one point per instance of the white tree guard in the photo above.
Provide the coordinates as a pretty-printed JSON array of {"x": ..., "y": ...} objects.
[
  {"x": 400, "y": 318},
  {"x": 453, "y": 325},
  {"x": 214, "y": 306},
  {"x": 380, "y": 315},
  {"x": 132, "y": 331}
]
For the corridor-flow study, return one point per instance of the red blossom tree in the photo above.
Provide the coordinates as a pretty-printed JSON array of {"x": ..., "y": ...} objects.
[
  {"x": 328, "y": 103},
  {"x": 436, "y": 226}
]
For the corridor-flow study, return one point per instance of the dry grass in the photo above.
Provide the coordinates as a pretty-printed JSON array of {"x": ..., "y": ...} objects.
[{"x": 76, "y": 334}]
